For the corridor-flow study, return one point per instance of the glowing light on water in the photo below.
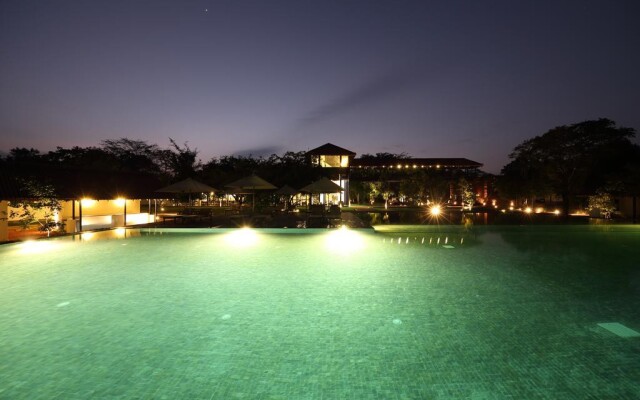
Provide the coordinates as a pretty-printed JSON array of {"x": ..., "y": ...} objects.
[
  {"x": 345, "y": 241},
  {"x": 86, "y": 235},
  {"x": 36, "y": 247},
  {"x": 243, "y": 237},
  {"x": 120, "y": 232}
]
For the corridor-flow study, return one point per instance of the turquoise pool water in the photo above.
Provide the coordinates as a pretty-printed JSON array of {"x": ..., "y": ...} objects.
[{"x": 407, "y": 313}]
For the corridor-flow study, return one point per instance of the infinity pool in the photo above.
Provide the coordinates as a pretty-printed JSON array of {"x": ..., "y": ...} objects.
[{"x": 406, "y": 313}]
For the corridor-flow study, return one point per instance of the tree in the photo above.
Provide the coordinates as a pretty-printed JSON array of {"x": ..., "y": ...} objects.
[
  {"x": 134, "y": 155},
  {"x": 181, "y": 162},
  {"x": 602, "y": 202},
  {"x": 41, "y": 198},
  {"x": 571, "y": 159},
  {"x": 466, "y": 191}
]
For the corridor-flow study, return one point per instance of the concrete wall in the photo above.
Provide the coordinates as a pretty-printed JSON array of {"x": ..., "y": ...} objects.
[
  {"x": 92, "y": 208},
  {"x": 100, "y": 207}
]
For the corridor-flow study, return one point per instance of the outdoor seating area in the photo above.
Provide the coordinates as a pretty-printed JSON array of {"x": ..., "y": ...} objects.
[
  {"x": 280, "y": 211},
  {"x": 316, "y": 216}
]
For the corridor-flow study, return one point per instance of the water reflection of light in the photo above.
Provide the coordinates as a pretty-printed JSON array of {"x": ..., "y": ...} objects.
[
  {"x": 243, "y": 237},
  {"x": 445, "y": 241},
  {"x": 86, "y": 235},
  {"x": 120, "y": 232},
  {"x": 36, "y": 247},
  {"x": 344, "y": 241}
]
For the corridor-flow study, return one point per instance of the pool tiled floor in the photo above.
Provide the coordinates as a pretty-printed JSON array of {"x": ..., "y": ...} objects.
[{"x": 504, "y": 315}]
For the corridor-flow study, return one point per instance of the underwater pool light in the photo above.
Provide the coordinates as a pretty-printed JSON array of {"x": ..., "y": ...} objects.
[
  {"x": 243, "y": 237},
  {"x": 86, "y": 235},
  {"x": 36, "y": 247},
  {"x": 344, "y": 241}
]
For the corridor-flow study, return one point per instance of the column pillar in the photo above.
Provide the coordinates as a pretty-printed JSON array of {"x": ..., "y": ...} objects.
[{"x": 4, "y": 221}]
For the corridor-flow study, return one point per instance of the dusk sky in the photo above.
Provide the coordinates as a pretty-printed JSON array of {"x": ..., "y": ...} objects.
[{"x": 465, "y": 79}]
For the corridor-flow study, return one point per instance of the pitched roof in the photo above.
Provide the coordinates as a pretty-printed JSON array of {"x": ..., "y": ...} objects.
[
  {"x": 418, "y": 162},
  {"x": 76, "y": 184},
  {"x": 330, "y": 150}
]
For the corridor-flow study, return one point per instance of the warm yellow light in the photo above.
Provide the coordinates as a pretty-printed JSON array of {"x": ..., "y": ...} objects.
[
  {"x": 344, "y": 241},
  {"x": 399, "y": 166},
  {"x": 120, "y": 232},
  {"x": 344, "y": 162},
  {"x": 511, "y": 208},
  {"x": 36, "y": 246},
  {"x": 87, "y": 202},
  {"x": 435, "y": 210},
  {"x": 539, "y": 210},
  {"x": 556, "y": 212},
  {"x": 528, "y": 210},
  {"x": 243, "y": 237},
  {"x": 86, "y": 235},
  {"x": 120, "y": 202}
]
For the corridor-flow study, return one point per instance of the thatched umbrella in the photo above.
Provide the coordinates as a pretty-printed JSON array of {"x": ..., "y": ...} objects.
[
  {"x": 323, "y": 185},
  {"x": 249, "y": 184},
  {"x": 187, "y": 186},
  {"x": 288, "y": 192}
]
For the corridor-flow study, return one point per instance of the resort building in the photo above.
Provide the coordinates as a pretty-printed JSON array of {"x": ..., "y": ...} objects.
[
  {"x": 89, "y": 199},
  {"x": 343, "y": 166},
  {"x": 337, "y": 161}
]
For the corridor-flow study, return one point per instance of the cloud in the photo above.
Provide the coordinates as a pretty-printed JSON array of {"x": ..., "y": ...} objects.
[
  {"x": 259, "y": 151},
  {"x": 377, "y": 89}
]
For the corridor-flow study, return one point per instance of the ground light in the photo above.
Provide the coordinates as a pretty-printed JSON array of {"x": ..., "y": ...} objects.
[
  {"x": 435, "y": 210},
  {"x": 344, "y": 241},
  {"x": 243, "y": 237}
]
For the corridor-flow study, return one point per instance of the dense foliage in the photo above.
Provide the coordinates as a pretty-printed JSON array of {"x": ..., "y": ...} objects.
[{"x": 571, "y": 160}]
